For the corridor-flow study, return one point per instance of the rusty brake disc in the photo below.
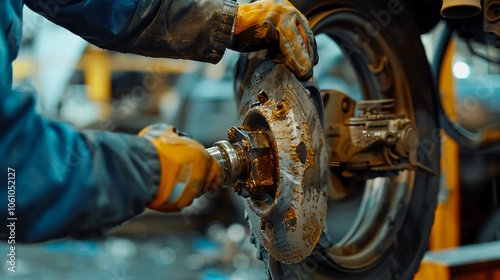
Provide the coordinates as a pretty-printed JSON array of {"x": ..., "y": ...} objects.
[{"x": 287, "y": 217}]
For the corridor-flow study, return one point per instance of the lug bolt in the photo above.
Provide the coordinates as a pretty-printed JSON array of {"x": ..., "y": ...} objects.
[{"x": 231, "y": 134}]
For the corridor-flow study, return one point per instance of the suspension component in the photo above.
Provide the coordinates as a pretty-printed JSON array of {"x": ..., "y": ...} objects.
[{"x": 377, "y": 143}]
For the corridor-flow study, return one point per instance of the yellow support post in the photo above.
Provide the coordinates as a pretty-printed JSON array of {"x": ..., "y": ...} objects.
[
  {"x": 446, "y": 228},
  {"x": 97, "y": 75}
]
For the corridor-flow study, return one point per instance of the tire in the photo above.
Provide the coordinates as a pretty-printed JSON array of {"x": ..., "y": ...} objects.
[
  {"x": 490, "y": 231},
  {"x": 409, "y": 81}
]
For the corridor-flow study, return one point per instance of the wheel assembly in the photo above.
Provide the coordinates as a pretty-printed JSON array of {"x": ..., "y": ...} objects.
[{"x": 333, "y": 187}]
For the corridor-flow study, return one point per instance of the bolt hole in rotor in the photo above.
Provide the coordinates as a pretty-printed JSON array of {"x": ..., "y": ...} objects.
[
  {"x": 301, "y": 152},
  {"x": 263, "y": 98}
]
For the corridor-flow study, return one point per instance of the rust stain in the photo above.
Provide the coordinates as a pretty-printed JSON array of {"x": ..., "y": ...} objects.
[
  {"x": 310, "y": 153},
  {"x": 269, "y": 103},
  {"x": 291, "y": 219},
  {"x": 231, "y": 134},
  {"x": 237, "y": 188},
  {"x": 281, "y": 110},
  {"x": 311, "y": 229},
  {"x": 250, "y": 184},
  {"x": 264, "y": 167},
  {"x": 310, "y": 159},
  {"x": 262, "y": 98},
  {"x": 293, "y": 153}
]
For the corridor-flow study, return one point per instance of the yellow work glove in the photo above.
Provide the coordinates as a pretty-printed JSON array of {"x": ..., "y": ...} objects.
[
  {"x": 268, "y": 23},
  {"x": 187, "y": 170}
]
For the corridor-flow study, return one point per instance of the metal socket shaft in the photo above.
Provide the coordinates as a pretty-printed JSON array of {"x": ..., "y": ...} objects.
[{"x": 234, "y": 162}]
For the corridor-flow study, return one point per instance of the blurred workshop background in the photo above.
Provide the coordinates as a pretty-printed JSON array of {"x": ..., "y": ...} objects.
[{"x": 88, "y": 87}]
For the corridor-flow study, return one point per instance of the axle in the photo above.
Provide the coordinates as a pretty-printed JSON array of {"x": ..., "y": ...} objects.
[{"x": 246, "y": 161}]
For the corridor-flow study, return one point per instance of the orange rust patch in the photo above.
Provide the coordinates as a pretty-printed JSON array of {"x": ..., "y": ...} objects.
[
  {"x": 293, "y": 153},
  {"x": 311, "y": 229},
  {"x": 289, "y": 216},
  {"x": 310, "y": 158},
  {"x": 294, "y": 170},
  {"x": 264, "y": 165},
  {"x": 262, "y": 98},
  {"x": 269, "y": 103},
  {"x": 250, "y": 184},
  {"x": 310, "y": 153},
  {"x": 231, "y": 134},
  {"x": 281, "y": 109},
  {"x": 279, "y": 112}
]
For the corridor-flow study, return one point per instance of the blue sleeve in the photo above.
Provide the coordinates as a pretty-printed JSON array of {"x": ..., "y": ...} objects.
[
  {"x": 189, "y": 29},
  {"x": 67, "y": 182}
]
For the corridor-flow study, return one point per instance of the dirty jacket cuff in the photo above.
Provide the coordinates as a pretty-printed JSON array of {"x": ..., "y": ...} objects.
[
  {"x": 153, "y": 161},
  {"x": 223, "y": 34},
  {"x": 187, "y": 29}
]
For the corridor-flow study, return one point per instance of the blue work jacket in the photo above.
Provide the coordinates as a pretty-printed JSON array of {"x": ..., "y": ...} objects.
[{"x": 58, "y": 181}]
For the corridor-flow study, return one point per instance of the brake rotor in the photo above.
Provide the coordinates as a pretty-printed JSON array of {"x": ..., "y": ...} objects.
[{"x": 288, "y": 221}]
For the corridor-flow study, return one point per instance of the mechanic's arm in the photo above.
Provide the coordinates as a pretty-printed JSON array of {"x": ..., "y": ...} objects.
[
  {"x": 189, "y": 29},
  {"x": 71, "y": 183}
]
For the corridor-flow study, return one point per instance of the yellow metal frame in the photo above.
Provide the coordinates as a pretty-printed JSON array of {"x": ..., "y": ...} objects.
[{"x": 446, "y": 229}]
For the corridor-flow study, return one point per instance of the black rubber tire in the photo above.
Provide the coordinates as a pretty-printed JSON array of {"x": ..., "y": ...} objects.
[
  {"x": 490, "y": 231},
  {"x": 402, "y": 259},
  {"x": 425, "y": 13}
]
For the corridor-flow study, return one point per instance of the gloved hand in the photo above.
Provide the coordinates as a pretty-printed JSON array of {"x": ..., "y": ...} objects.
[
  {"x": 265, "y": 23},
  {"x": 187, "y": 170}
]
